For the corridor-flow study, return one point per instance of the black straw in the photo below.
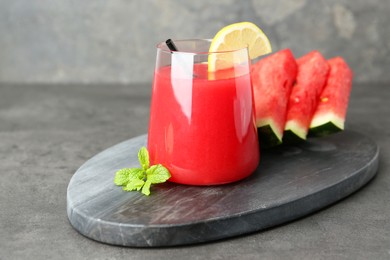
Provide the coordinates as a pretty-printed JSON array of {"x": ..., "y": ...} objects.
[{"x": 171, "y": 45}]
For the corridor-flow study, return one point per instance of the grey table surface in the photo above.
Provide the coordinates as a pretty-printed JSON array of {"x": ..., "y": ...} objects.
[{"x": 48, "y": 131}]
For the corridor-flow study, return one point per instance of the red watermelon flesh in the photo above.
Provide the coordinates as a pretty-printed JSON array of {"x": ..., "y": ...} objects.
[
  {"x": 330, "y": 114},
  {"x": 311, "y": 78},
  {"x": 272, "y": 79}
]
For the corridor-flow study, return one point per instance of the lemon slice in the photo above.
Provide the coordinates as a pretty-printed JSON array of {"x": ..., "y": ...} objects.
[{"x": 233, "y": 37}]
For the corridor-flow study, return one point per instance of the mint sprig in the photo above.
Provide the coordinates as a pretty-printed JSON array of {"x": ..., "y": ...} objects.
[{"x": 141, "y": 179}]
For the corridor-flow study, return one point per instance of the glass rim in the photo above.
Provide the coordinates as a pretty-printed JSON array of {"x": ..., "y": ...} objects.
[{"x": 162, "y": 46}]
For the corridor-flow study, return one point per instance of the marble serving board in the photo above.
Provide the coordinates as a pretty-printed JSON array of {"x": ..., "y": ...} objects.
[{"x": 290, "y": 182}]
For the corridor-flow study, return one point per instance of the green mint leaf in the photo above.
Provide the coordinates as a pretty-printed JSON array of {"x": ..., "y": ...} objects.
[
  {"x": 146, "y": 188},
  {"x": 128, "y": 188},
  {"x": 136, "y": 174},
  {"x": 122, "y": 177},
  {"x": 134, "y": 184},
  {"x": 143, "y": 157},
  {"x": 141, "y": 179},
  {"x": 157, "y": 174}
]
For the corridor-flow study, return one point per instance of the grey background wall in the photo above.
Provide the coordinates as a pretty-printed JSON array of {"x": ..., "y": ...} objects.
[{"x": 103, "y": 41}]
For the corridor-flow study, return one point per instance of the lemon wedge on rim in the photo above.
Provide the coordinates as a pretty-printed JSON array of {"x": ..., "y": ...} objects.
[{"x": 233, "y": 37}]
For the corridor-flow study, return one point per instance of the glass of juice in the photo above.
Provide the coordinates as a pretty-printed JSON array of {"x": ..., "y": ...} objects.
[{"x": 202, "y": 123}]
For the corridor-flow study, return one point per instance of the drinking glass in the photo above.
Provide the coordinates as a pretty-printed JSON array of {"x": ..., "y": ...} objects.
[{"x": 202, "y": 123}]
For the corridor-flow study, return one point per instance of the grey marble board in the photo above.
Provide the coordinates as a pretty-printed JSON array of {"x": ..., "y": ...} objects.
[{"x": 290, "y": 182}]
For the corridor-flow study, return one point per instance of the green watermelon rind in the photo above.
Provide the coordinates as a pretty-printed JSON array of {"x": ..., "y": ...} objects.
[
  {"x": 326, "y": 124},
  {"x": 294, "y": 133},
  {"x": 268, "y": 135},
  {"x": 290, "y": 138}
]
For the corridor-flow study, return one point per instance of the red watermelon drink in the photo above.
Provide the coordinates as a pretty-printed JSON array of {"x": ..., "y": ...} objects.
[{"x": 202, "y": 125}]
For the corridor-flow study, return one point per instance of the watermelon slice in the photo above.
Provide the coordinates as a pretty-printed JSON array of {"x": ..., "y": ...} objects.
[
  {"x": 329, "y": 116},
  {"x": 311, "y": 78},
  {"x": 272, "y": 79}
]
